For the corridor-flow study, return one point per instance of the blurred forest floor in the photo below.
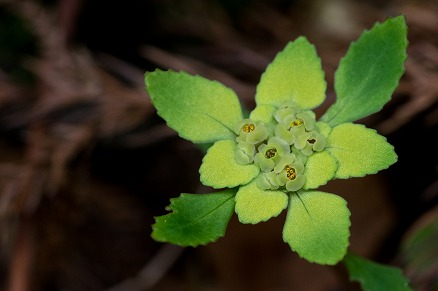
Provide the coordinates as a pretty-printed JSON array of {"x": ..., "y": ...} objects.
[{"x": 84, "y": 159}]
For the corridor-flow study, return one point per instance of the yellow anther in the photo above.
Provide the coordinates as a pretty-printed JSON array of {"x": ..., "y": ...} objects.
[
  {"x": 248, "y": 127},
  {"x": 270, "y": 153},
  {"x": 296, "y": 122},
  {"x": 290, "y": 172}
]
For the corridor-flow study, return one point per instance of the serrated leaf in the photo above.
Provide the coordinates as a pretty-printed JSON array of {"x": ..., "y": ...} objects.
[
  {"x": 369, "y": 73},
  {"x": 219, "y": 168},
  {"x": 294, "y": 75},
  {"x": 254, "y": 205},
  {"x": 200, "y": 110},
  {"x": 359, "y": 150},
  {"x": 196, "y": 219},
  {"x": 373, "y": 276},
  {"x": 317, "y": 226},
  {"x": 320, "y": 168}
]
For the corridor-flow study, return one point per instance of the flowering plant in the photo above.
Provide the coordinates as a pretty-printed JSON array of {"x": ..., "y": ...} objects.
[{"x": 278, "y": 156}]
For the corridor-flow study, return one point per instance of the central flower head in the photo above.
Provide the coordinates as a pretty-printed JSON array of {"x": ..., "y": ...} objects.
[{"x": 280, "y": 148}]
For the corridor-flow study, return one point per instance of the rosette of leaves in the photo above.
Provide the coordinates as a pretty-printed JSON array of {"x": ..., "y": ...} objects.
[{"x": 279, "y": 156}]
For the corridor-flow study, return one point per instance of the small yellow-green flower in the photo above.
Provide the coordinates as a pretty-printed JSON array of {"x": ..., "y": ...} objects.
[{"x": 280, "y": 154}]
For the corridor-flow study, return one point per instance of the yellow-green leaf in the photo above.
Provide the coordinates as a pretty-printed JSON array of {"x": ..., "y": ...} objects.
[
  {"x": 254, "y": 205},
  {"x": 317, "y": 226},
  {"x": 294, "y": 75},
  {"x": 220, "y": 169},
  {"x": 200, "y": 110},
  {"x": 320, "y": 168},
  {"x": 359, "y": 150},
  {"x": 263, "y": 113}
]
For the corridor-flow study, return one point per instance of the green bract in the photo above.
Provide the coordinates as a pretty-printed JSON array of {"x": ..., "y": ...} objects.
[{"x": 280, "y": 155}]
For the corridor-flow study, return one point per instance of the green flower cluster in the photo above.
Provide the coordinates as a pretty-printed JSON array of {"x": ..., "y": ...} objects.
[
  {"x": 281, "y": 147},
  {"x": 280, "y": 155}
]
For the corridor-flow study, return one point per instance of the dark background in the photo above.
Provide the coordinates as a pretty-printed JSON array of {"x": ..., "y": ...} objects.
[{"x": 85, "y": 163}]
